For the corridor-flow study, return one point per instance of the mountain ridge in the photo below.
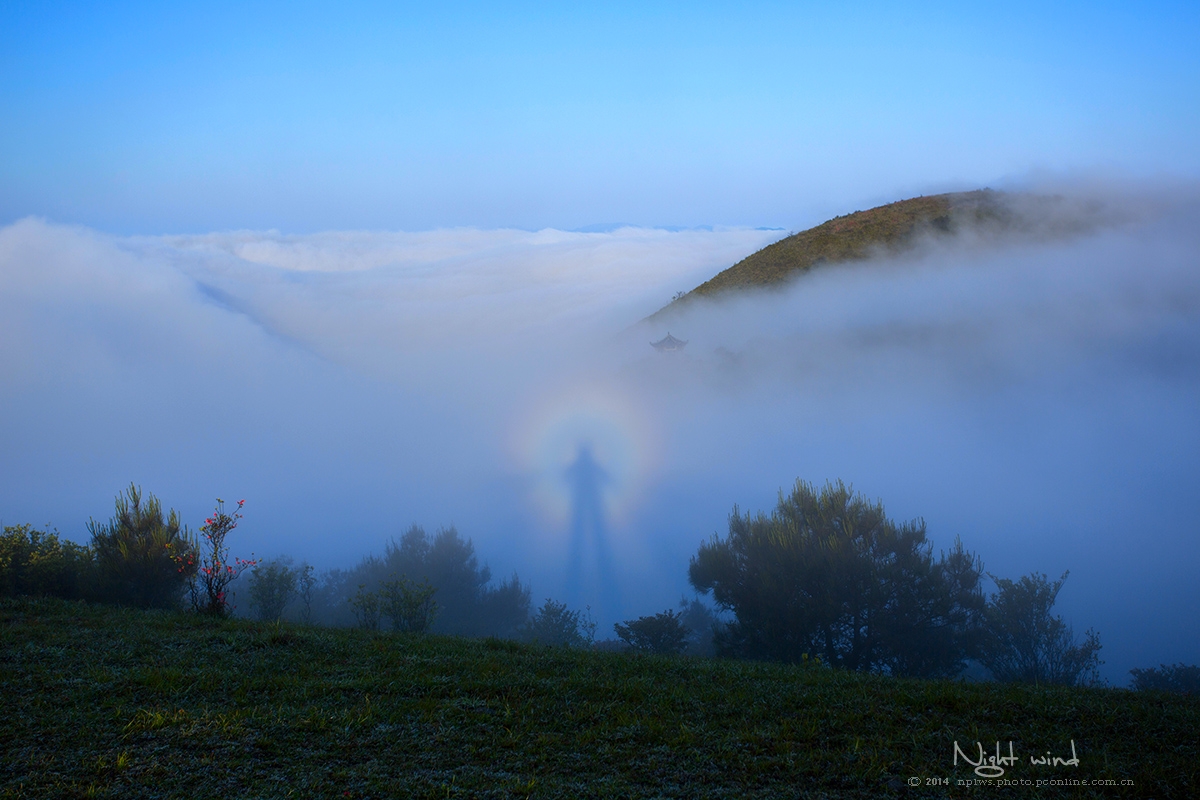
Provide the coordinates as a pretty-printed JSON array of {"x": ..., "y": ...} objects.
[{"x": 890, "y": 230}]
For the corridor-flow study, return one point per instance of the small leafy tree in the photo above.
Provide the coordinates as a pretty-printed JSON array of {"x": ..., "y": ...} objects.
[
  {"x": 504, "y": 609},
  {"x": 307, "y": 583},
  {"x": 40, "y": 563},
  {"x": 828, "y": 575},
  {"x": 554, "y": 624},
  {"x": 664, "y": 633},
  {"x": 140, "y": 558},
  {"x": 408, "y": 604},
  {"x": 367, "y": 608},
  {"x": 1179, "y": 678},
  {"x": 702, "y": 625},
  {"x": 271, "y": 587},
  {"x": 210, "y": 590},
  {"x": 1023, "y": 642}
]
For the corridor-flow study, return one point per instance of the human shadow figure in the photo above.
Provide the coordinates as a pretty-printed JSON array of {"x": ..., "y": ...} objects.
[{"x": 588, "y": 480}]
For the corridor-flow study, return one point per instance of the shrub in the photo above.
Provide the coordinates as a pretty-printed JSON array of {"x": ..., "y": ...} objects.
[
  {"x": 554, "y": 624},
  {"x": 504, "y": 609},
  {"x": 408, "y": 604},
  {"x": 307, "y": 583},
  {"x": 367, "y": 608},
  {"x": 1179, "y": 678},
  {"x": 702, "y": 625},
  {"x": 39, "y": 563},
  {"x": 664, "y": 633},
  {"x": 1024, "y": 643},
  {"x": 210, "y": 589},
  {"x": 271, "y": 587},
  {"x": 140, "y": 559}
]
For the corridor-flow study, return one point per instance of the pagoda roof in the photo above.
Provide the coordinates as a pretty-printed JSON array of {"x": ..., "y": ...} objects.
[{"x": 668, "y": 343}]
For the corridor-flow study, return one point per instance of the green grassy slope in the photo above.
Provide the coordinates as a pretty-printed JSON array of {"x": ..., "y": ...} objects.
[
  {"x": 116, "y": 703},
  {"x": 892, "y": 229}
]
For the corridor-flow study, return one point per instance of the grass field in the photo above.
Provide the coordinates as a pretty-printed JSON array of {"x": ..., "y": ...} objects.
[{"x": 103, "y": 702}]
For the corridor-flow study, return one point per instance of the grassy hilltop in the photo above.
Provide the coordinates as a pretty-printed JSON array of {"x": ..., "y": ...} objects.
[
  {"x": 106, "y": 702},
  {"x": 894, "y": 228}
]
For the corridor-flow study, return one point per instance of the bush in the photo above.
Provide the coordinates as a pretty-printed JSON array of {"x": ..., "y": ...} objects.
[
  {"x": 664, "y": 633},
  {"x": 140, "y": 558},
  {"x": 39, "y": 563},
  {"x": 408, "y": 604},
  {"x": 1179, "y": 678},
  {"x": 554, "y": 625},
  {"x": 702, "y": 624},
  {"x": 271, "y": 587},
  {"x": 367, "y": 608},
  {"x": 210, "y": 589},
  {"x": 503, "y": 610},
  {"x": 307, "y": 583},
  {"x": 1024, "y": 643}
]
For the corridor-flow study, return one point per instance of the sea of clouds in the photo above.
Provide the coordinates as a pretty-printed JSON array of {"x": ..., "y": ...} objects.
[{"x": 1036, "y": 397}]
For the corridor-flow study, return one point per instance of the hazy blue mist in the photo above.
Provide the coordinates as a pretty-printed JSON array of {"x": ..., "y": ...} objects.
[{"x": 1037, "y": 399}]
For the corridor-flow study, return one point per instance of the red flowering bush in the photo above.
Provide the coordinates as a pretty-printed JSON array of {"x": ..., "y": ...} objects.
[{"x": 210, "y": 586}]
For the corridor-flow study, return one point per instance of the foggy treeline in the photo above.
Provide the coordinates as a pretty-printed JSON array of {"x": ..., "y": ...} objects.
[
  {"x": 826, "y": 579},
  {"x": 467, "y": 600}
]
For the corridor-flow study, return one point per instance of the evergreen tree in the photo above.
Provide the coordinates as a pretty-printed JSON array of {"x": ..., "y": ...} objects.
[{"x": 142, "y": 559}]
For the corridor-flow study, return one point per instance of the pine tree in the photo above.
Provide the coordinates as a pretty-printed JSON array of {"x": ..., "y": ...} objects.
[{"x": 140, "y": 558}]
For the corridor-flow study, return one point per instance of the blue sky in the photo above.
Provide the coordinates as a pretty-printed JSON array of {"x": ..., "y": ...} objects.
[{"x": 158, "y": 118}]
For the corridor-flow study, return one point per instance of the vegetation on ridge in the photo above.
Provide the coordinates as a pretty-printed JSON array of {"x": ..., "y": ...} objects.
[{"x": 891, "y": 229}]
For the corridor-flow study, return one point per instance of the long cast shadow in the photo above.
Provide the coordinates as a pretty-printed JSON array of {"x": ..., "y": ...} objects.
[{"x": 591, "y": 582}]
